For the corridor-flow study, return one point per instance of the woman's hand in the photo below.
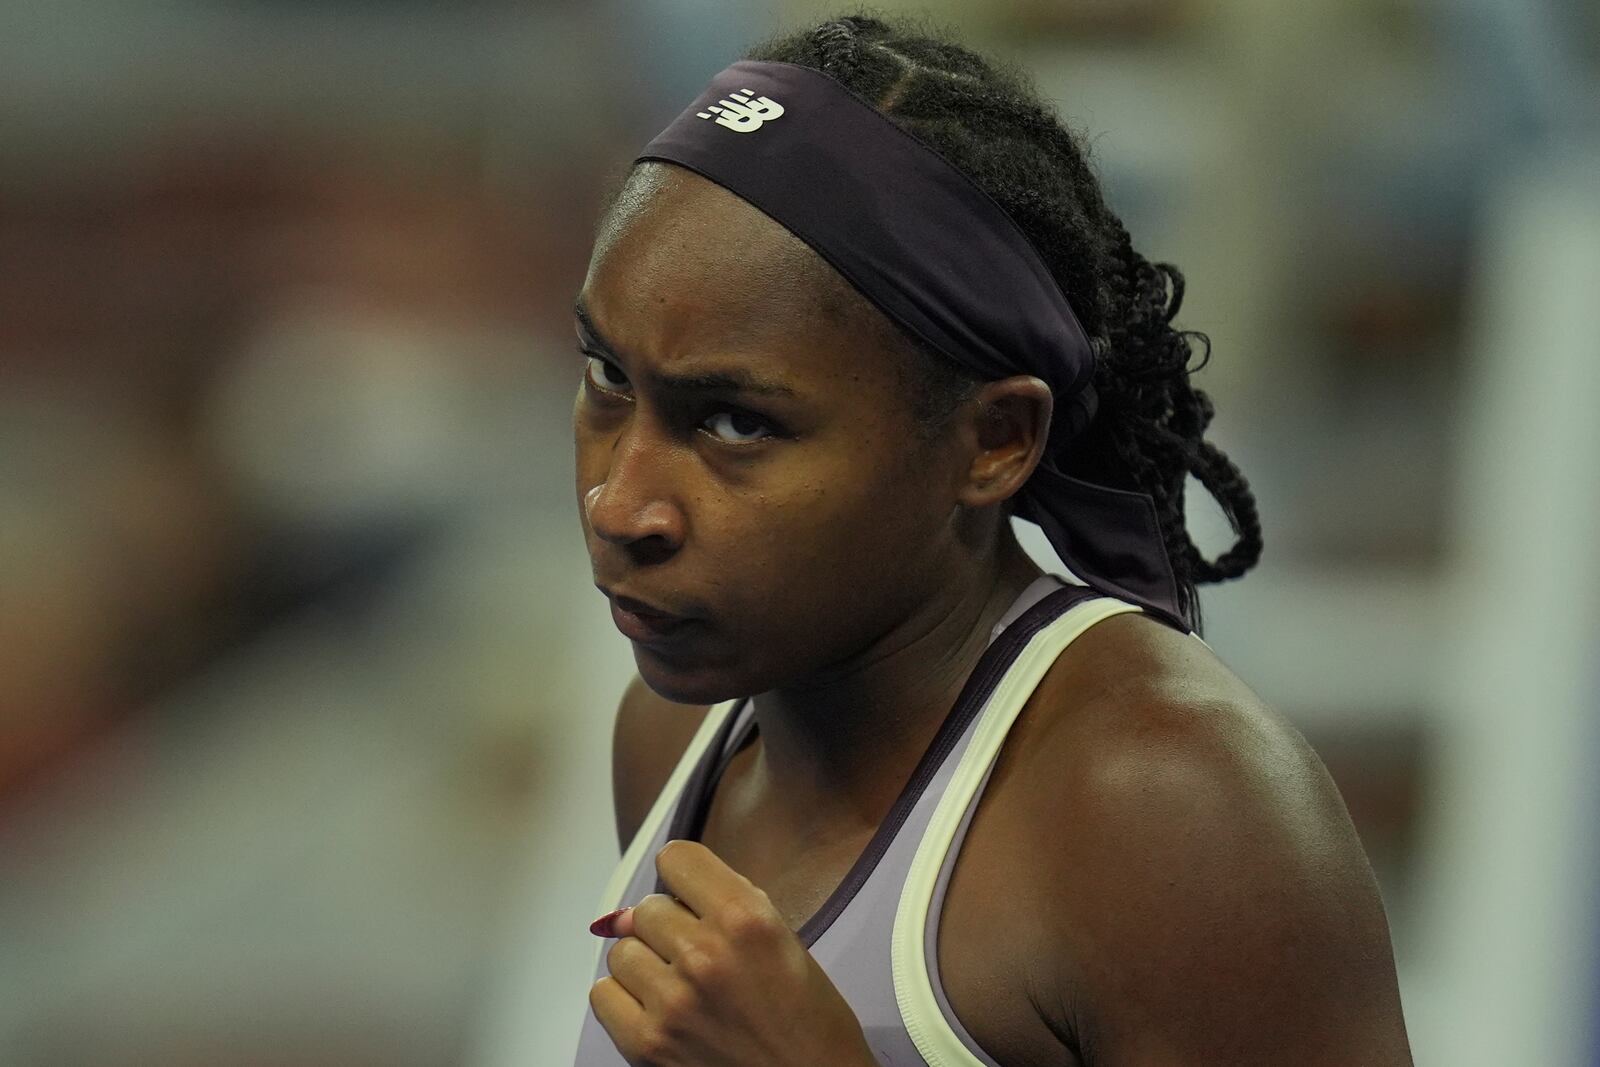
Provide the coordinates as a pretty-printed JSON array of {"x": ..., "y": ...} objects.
[{"x": 712, "y": 976}]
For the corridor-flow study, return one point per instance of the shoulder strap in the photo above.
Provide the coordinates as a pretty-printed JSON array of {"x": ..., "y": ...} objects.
[
  {"x": 913, "y": 988},
  {"x": 710, "y": 729}
]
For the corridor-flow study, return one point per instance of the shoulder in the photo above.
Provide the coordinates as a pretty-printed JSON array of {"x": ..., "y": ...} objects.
[
  {"x": 1202, "y": 893},
  {"x": 647, "y": 741}
]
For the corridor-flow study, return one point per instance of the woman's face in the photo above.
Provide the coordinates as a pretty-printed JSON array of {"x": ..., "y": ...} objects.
[{"x": 756, "y": 499}]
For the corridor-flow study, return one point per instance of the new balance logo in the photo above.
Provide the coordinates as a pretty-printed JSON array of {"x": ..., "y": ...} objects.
[{"x": 743, "y": 112}]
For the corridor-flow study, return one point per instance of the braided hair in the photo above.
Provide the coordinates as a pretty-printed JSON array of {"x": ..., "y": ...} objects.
[{"x": 986, "y": 120}]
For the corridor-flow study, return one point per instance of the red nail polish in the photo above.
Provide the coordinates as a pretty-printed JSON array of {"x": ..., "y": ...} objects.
[{"x": 605, "y": 925}]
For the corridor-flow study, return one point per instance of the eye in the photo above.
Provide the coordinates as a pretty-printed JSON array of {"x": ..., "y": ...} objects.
[
  {"x": 605, "y": 376},
  {"x": 737, "y": 427}
]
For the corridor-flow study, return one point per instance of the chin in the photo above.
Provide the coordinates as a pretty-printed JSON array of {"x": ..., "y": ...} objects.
[{"x": 685, "y": 683}]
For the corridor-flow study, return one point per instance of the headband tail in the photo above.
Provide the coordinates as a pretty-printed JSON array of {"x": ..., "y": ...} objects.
[{"x": 1108, "y": 537}]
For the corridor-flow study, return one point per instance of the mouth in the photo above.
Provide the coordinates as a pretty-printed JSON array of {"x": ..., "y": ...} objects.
[{"x": 643, "y": 622}]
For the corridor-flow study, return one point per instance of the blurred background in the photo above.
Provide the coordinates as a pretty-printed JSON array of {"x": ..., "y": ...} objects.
[{"x": 305, "y": 698}]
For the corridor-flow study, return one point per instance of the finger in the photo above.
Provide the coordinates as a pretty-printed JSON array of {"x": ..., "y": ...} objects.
[
  {"x": 611, "y": 924},
  {"x": 664, "y": 924},
  {"x": 637, "y": 968},
  {"x": 697, "y": 876},
  {"x": 616, "y": 1010}
]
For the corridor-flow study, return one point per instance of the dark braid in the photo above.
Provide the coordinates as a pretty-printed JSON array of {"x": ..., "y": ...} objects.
[{"x": 988, "y": 121}]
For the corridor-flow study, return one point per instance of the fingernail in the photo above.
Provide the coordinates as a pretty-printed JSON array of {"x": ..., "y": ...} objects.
[{"x": 605, "y": 926}]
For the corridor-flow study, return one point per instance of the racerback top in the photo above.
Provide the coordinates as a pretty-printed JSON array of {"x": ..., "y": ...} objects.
[{"x": 876, "y": 936}]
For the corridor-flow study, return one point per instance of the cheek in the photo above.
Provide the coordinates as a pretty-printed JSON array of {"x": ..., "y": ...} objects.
[
  {"x": 803, "y": 569},
  {"x": 848, "y": 570},
  {"x": 837, "y": 538},
  {"x": 883, "y": 495}
]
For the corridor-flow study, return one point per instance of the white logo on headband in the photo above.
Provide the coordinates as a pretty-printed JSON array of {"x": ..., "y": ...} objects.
[{"x": 743, "y": 112}]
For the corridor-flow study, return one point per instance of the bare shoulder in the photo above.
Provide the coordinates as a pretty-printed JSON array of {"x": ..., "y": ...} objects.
[
  {"x": 650, "y": 736},
  {"x": 1203, "y": 892}
]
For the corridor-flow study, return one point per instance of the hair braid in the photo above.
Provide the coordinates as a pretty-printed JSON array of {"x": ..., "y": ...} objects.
[{"x": 1156, "y": 420}]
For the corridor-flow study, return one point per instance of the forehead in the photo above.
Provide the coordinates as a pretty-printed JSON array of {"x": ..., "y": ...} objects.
[{"x": 682, "y": 266}]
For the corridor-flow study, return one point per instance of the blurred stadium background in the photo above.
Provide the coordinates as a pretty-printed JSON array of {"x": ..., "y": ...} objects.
[{"x": 304, "y": 695}]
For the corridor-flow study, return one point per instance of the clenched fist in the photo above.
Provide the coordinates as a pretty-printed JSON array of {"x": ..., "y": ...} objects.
[{"x": 711, "y": 976}]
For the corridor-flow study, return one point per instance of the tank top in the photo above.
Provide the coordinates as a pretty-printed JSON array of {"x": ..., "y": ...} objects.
[{"x": 876, "y": 936}]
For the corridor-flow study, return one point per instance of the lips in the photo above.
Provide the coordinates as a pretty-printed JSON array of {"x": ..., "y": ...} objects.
[{"x": 642, "y": 622}]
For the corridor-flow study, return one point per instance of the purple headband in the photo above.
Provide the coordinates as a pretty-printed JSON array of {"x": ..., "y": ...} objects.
[{"x": 937, "y": 255}]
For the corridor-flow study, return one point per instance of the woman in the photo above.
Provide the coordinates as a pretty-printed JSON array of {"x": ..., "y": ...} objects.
[{"x": 860, "y": 303}]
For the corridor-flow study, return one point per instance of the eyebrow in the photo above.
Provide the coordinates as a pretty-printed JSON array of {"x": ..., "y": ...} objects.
[{"x": 716, "y": 381}]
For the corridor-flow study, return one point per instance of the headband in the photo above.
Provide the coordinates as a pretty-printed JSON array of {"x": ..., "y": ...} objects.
[{"x": 937, "y": 255}]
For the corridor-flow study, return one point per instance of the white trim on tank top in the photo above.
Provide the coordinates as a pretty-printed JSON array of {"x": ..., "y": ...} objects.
[
  {"x": 913, "y": 987},
  {"x": 659, "y": 811}
]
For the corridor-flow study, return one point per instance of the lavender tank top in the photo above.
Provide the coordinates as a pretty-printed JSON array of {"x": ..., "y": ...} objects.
[{"x": 876, "y": 935}]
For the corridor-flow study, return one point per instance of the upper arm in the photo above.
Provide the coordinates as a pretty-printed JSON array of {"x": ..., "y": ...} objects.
[
  {"x": 649, "y": 737},
  {"x": 1211, "y": 902}
]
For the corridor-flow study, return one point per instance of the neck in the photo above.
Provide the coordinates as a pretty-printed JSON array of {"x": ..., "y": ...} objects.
[{"x": 839, "y": 750}]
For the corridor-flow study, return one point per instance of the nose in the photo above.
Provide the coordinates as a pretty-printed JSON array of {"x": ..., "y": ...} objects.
[{"x": 634, "y": 508}]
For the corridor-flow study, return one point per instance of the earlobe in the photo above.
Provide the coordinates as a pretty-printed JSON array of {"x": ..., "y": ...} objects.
[{"x": 1009, "y": 425}]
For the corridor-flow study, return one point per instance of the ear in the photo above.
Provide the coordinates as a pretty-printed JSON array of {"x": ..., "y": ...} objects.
[{"x": 1005, "y": 426}]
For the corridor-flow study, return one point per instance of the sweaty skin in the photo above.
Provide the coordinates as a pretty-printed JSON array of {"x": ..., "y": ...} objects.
[{"x": 1160, "y": 870}]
